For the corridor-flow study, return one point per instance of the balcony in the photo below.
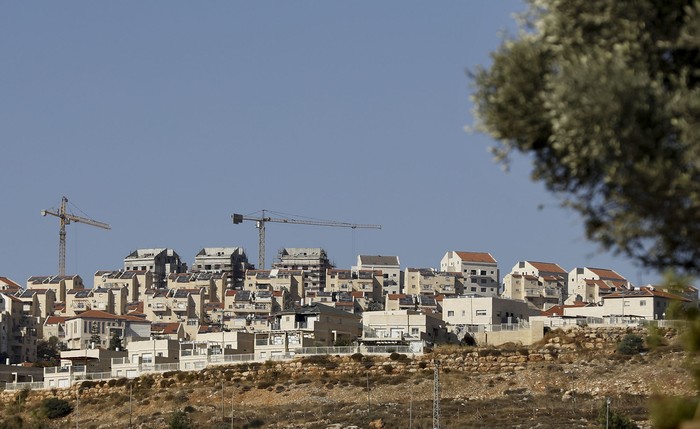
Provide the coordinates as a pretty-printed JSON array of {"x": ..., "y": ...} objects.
[{"x": 159, "y": 307}]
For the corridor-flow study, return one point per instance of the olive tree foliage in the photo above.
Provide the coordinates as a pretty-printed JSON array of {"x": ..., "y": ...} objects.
[{"x": 604, "y": 96}]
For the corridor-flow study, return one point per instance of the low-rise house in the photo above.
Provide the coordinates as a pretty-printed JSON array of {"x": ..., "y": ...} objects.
[
  {"x": 147, "y": 356},
  {"x": 402, "y": 328},
  {"x": 484, "y": 310},
  {"x": 77, "y": 365},
  {"x": 316, "y": 325},
  {"x": 232, "y": 342},
  {"x": 648, "y": 303},
  {"x": 97, "y": 327}
]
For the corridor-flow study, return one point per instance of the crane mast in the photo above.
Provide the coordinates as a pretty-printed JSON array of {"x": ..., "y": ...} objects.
[
  {"x": 66, "y": 218},
  {"x": 262, "y": 220}
]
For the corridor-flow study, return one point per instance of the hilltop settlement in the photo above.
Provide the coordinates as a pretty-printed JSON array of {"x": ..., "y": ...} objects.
[{"x": 156, "y": 314}]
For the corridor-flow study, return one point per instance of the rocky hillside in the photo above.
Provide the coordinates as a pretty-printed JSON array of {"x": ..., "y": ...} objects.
[{"x": 561, "y": 382}]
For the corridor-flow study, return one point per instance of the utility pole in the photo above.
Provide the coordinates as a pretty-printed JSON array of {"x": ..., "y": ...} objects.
[
  {"x": 369, "y": 407},
  {"x": 410, "y": 412},
  {"x": 77, "y": 408},
  {"x": 131, "y": 394},
  {"x": 436, "y": 395}
]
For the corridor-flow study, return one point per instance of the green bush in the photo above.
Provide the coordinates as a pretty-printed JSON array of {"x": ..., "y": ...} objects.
[
  {"x": 180, "y": 420},
  {"x": 54, "y": 408},
  {"x": 655, "y": 338},
  {"x": 255, "y": 423},
  {"x": 611, "y": 419},
  {"x": 265, "y": 384},
  {"x": 630, "y": 344}
]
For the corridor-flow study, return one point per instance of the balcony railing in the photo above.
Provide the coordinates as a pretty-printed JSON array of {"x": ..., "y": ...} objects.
[{"x": 12, "y": 387}]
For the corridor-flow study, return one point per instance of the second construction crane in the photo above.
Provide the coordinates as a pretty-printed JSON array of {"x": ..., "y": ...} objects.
[
  {"x": 66, "y": 218},
  {"x": 262, "y": 220}
]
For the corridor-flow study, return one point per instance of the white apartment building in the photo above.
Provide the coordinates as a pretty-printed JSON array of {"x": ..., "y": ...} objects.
[
  {"x": 159, "y": 261},
  {"x": 390, "y": 266},
  {"x": 542, "y": 284},
  {"x": 591, "y": 284},
  {"x": 479, "y": 270},
  {"x": 484, "y": 310}
]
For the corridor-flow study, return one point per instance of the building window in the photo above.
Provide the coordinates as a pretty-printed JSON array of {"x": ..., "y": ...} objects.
[
  {"x": 483, "y": 289},
  {"x": 483, "y": 272},
  {"x": 450, "y": 313},
  {"x": 481, "y": 312},
  {"x": 473, "y": 280},
  {"x": 483, "y": 280},
  {"x": 643, "y": 303},
  {"x": 473, "y": 272}
]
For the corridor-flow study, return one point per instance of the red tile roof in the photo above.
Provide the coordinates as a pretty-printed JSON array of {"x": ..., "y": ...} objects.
[
  {"x": 476, "y": 257},
  {"x": 606, "y": 274},
  {"x": 165, "y": 328},
  {"x": 645, "y": 292},
  {"x": 547, "y": 267},
  {"x": 99, "y": 314},
  {"x": 10, "y": 283},
  {"x": 54, "y": 320}
]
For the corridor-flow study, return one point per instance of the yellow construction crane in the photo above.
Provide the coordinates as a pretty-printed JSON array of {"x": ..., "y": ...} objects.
[
  {"x": 67, "y": 218},
  {"x": 262, "y": 220}
]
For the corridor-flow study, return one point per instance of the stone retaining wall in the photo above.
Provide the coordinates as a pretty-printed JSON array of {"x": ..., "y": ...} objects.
[{"x": 557, "y": 347}]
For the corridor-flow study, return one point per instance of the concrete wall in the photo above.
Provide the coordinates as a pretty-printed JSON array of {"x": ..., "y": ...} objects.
[{"x": 525, "y": 337}]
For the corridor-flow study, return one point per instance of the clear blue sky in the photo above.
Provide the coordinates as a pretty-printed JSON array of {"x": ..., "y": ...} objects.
[{"x": 163, "y": 118}]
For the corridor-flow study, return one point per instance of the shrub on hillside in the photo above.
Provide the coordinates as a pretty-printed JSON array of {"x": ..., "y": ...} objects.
[
  {"x": 180, "y": 420},
  {"x": 630, "y": 344},
  {"x": 611, "y": 419},
  {"x": 54, "y": 408}
]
